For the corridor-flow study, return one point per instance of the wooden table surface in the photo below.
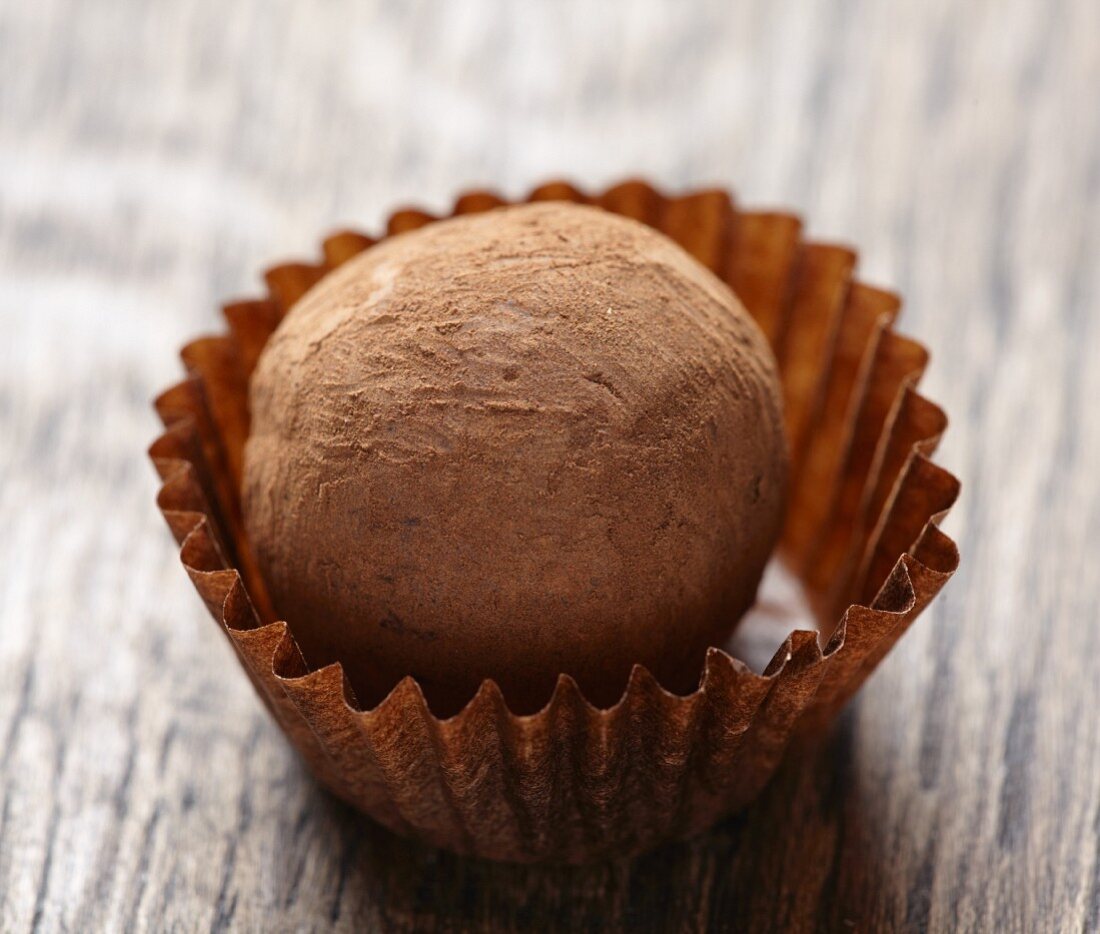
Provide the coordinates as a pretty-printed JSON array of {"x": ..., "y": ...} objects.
[{"x": 153, "y": 156}]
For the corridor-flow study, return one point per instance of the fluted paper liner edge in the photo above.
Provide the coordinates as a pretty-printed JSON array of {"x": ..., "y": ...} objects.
[{"x": 573, "y": 782}]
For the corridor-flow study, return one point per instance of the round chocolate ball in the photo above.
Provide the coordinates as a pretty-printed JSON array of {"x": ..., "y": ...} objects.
[{"x": 511, "y": 445}]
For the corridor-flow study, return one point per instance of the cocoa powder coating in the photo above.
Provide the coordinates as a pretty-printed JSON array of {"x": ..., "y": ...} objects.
[{"x": 538, "y": 440}]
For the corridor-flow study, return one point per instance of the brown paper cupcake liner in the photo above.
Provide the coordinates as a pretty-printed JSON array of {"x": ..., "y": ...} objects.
[{"x": 573, "y": 782}]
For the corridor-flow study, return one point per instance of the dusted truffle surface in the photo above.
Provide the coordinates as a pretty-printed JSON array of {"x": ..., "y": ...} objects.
[{"x": 509, "y": 445}]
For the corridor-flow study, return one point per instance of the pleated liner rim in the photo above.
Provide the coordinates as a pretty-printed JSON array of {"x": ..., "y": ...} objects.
[{"x": 574, "y": 782}]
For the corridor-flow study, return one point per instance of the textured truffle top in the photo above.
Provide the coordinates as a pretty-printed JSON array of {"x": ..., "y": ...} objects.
[{"x": 537, "y": 440}]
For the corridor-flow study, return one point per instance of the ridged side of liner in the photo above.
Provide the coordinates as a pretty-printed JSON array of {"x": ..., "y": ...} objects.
[{"x": 573, "y": 782}]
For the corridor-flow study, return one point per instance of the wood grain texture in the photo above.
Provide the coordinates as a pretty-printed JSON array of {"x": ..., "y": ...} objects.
[{"x": 153, "y": 156}]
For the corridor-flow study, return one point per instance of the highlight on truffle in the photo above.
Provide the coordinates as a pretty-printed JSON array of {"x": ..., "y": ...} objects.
[{"x": 511, "y": 445}]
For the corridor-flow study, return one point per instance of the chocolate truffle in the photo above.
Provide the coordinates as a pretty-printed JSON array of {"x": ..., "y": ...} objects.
[{"x": 538, "y": 440}]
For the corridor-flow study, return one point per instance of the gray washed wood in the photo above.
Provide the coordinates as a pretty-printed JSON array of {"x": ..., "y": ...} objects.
[{"x": 154, "y": 156}]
